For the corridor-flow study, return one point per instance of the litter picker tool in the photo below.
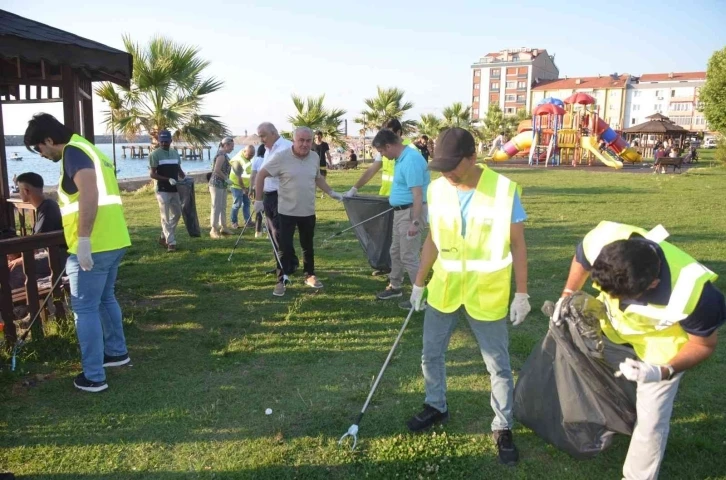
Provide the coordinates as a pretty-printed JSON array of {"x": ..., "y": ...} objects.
[
  {"x": 285, "y": 278},
  {"x": 21, "y": 341},
  {"x": 357, "y": 224},
  {"x": 353, "y": 429},
  {"x": 247, "y": 222}
]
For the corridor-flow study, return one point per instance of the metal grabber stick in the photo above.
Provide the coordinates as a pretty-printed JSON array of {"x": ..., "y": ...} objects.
[
  {"x": 247, "y": 222},
  {"x": 353, "y": 430},
  {"x": 357, "y": 224},
  {"x": 285, "y": 278},
  {"x": 21, "y": 341}
]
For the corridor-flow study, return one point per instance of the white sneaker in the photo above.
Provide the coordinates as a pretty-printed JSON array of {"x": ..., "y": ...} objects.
[{"x": 214, "y": 234}]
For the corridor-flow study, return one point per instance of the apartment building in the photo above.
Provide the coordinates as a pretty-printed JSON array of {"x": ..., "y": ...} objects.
[
  {"x": 674, "y": 95},
  {"x": 505, "y": 78},
  {"x": 609, "y": 92}
]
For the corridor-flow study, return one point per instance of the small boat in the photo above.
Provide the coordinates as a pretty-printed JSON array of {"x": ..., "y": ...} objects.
[{"x": 16, "y": 157}]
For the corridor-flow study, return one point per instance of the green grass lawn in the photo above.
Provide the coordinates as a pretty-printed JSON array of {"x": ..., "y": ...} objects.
[{"x": 212, "y": 349}]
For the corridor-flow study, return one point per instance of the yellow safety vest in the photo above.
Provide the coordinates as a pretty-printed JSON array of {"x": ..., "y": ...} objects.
[
  {"x": 653, "y": 330},
  {"x": 388, "y": 167},
  {"x": 475, "y": 270},
  {"x": 246, "y": 169},
  {"x": 109, "y": 229}
]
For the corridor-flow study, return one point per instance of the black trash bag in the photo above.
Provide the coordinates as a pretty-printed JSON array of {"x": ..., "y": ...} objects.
[
  {"x": 189, "y": 206},
  {"x": 567, "y": 392},
  {"x": 374, "y": 236}
]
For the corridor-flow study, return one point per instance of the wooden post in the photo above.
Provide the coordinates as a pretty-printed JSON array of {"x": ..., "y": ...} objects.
[
  {"x": 88, "y": 130},
  {"x": 71, "y": 117},
  {"x": 7, "y": 219}
]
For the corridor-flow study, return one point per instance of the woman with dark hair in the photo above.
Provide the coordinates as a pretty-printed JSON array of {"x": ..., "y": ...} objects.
[{"x": 218, "y": 182}]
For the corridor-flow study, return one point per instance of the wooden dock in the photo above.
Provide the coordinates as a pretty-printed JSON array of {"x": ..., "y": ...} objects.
[{"x": 185, "y": 152}]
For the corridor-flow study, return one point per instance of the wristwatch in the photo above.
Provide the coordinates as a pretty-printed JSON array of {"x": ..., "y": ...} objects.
[{"x": 671, "y": 372}]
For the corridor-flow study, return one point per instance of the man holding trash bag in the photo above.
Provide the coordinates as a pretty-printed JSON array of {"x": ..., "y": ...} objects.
[
  {"x": 476, "y": 239},
  {"x": 661, "y": 302}
]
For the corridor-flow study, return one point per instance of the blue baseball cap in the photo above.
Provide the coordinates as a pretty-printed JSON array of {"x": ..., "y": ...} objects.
[{"x": 165, "y": 136}]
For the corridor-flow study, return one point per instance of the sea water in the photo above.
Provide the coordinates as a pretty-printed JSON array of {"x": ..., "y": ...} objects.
[{"x": 127, "y": 167}]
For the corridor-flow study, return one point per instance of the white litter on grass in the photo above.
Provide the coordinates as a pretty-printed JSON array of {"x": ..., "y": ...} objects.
[{"x": 268, "y": 411}]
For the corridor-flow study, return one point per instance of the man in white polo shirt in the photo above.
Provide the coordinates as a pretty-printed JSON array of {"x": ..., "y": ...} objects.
[
  {"x": 273, "y": 143},
  {"x": 298, "y": 172}
]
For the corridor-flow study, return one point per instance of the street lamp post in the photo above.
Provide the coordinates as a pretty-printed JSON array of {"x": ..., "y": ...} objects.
[
  {"x": 113, "y": 142},
  {"x": 364, "y": 137}
]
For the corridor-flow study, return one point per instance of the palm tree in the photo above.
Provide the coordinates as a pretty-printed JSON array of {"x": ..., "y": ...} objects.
[
  {"x": 167, "y": 91},
  {"x": 386, "y": 105},
  {"x": 429, "y": 125},
  {"x": 311, "y": 112},
  {"x": 456, "y": 115}
]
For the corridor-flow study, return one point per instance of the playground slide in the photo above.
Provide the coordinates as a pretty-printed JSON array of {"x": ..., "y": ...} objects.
[
  {"x": 590, "y": 144},
  {"x": 510, "y": 149},
  {"x": 616, "y": 143}
]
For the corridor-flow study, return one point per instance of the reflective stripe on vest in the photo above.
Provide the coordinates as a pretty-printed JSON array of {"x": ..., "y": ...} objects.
[
  {"x": 475, "y": 270},
  {"x": 651, "y": 329},
  {"x": 109, "y": 228}
]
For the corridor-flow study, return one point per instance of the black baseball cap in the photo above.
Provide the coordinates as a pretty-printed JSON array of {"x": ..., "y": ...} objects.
[{"x": 452, "y": 146}]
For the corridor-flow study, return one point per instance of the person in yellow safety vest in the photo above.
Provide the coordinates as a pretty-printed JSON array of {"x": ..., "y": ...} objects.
[
  {"x": 663, "y": 303},
  {"x": 241, "y": 170},
  {"x": 382, "y": 163},
  {"x": 97, "y": 238},
  {"x": 476, "y": 239}
]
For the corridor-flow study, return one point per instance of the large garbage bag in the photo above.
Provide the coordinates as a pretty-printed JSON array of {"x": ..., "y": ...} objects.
[
  {"x": 567, "y": 392},
  {"x": 189, "y": 206},
  {"x": 374, "y": 236}
]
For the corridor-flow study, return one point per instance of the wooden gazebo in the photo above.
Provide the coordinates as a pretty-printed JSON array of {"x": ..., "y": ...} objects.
[
  {"x": 43, "y": 64},
  {"x": 656, "y": 129}
]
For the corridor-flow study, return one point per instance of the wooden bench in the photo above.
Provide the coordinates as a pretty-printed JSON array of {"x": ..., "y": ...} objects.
[
  {"x": 30, "y": 294},
  {"x": 664, "y": 162}
]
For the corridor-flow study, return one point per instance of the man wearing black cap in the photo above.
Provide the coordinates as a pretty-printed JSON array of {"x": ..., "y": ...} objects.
[
  {"x": 166, "y": 169},
  {"x": 476, "y": 236}
]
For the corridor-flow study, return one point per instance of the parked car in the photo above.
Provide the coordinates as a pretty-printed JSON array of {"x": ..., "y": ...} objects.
[{"x": 709, "y": 143}]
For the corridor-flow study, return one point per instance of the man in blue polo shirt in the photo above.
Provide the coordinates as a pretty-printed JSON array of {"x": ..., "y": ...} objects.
[{"x": 411, "y": 178}]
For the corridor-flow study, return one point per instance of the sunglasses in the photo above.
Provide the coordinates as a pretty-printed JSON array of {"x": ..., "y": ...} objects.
[{"x": 37, "y": 149}]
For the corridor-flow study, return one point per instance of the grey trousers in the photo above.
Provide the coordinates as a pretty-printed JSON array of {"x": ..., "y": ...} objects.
[
  {"x": 493, "y": 340},
  {"x": 170, "y": 210},
  {"x": 405, "y": 251},
  {"x": 654, "y": 406},
  {"x": 218, "y": 214}
]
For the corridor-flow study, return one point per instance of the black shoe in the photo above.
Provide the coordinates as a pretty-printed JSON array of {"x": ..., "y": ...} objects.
[
  {"x": 427, "y": 418},
  {"x": 116, "y": 360},
  {"x": 389, "y": 293},
  {"x": 508, "y": 453},
  {"x": 377, "y": 273},
  {"x": 82, "y": 383}
]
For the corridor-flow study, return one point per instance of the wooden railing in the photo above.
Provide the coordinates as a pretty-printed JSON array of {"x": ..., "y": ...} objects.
[{"x": 30, "y": 294}]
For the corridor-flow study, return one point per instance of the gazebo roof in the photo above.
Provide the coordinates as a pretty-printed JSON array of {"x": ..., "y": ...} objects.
[
  {"x": 659, "y": 124},
  {"x": 34, "y": 42}
]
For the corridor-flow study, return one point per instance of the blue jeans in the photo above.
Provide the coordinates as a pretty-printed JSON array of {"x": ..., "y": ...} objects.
[
  {"x": 240, "y": 200},
  {"x": 97, "y": 313},
  {"x": 493, "y": 340}
]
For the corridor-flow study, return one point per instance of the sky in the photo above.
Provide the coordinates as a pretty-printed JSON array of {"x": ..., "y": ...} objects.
[{"x": 267, "y": 51}]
